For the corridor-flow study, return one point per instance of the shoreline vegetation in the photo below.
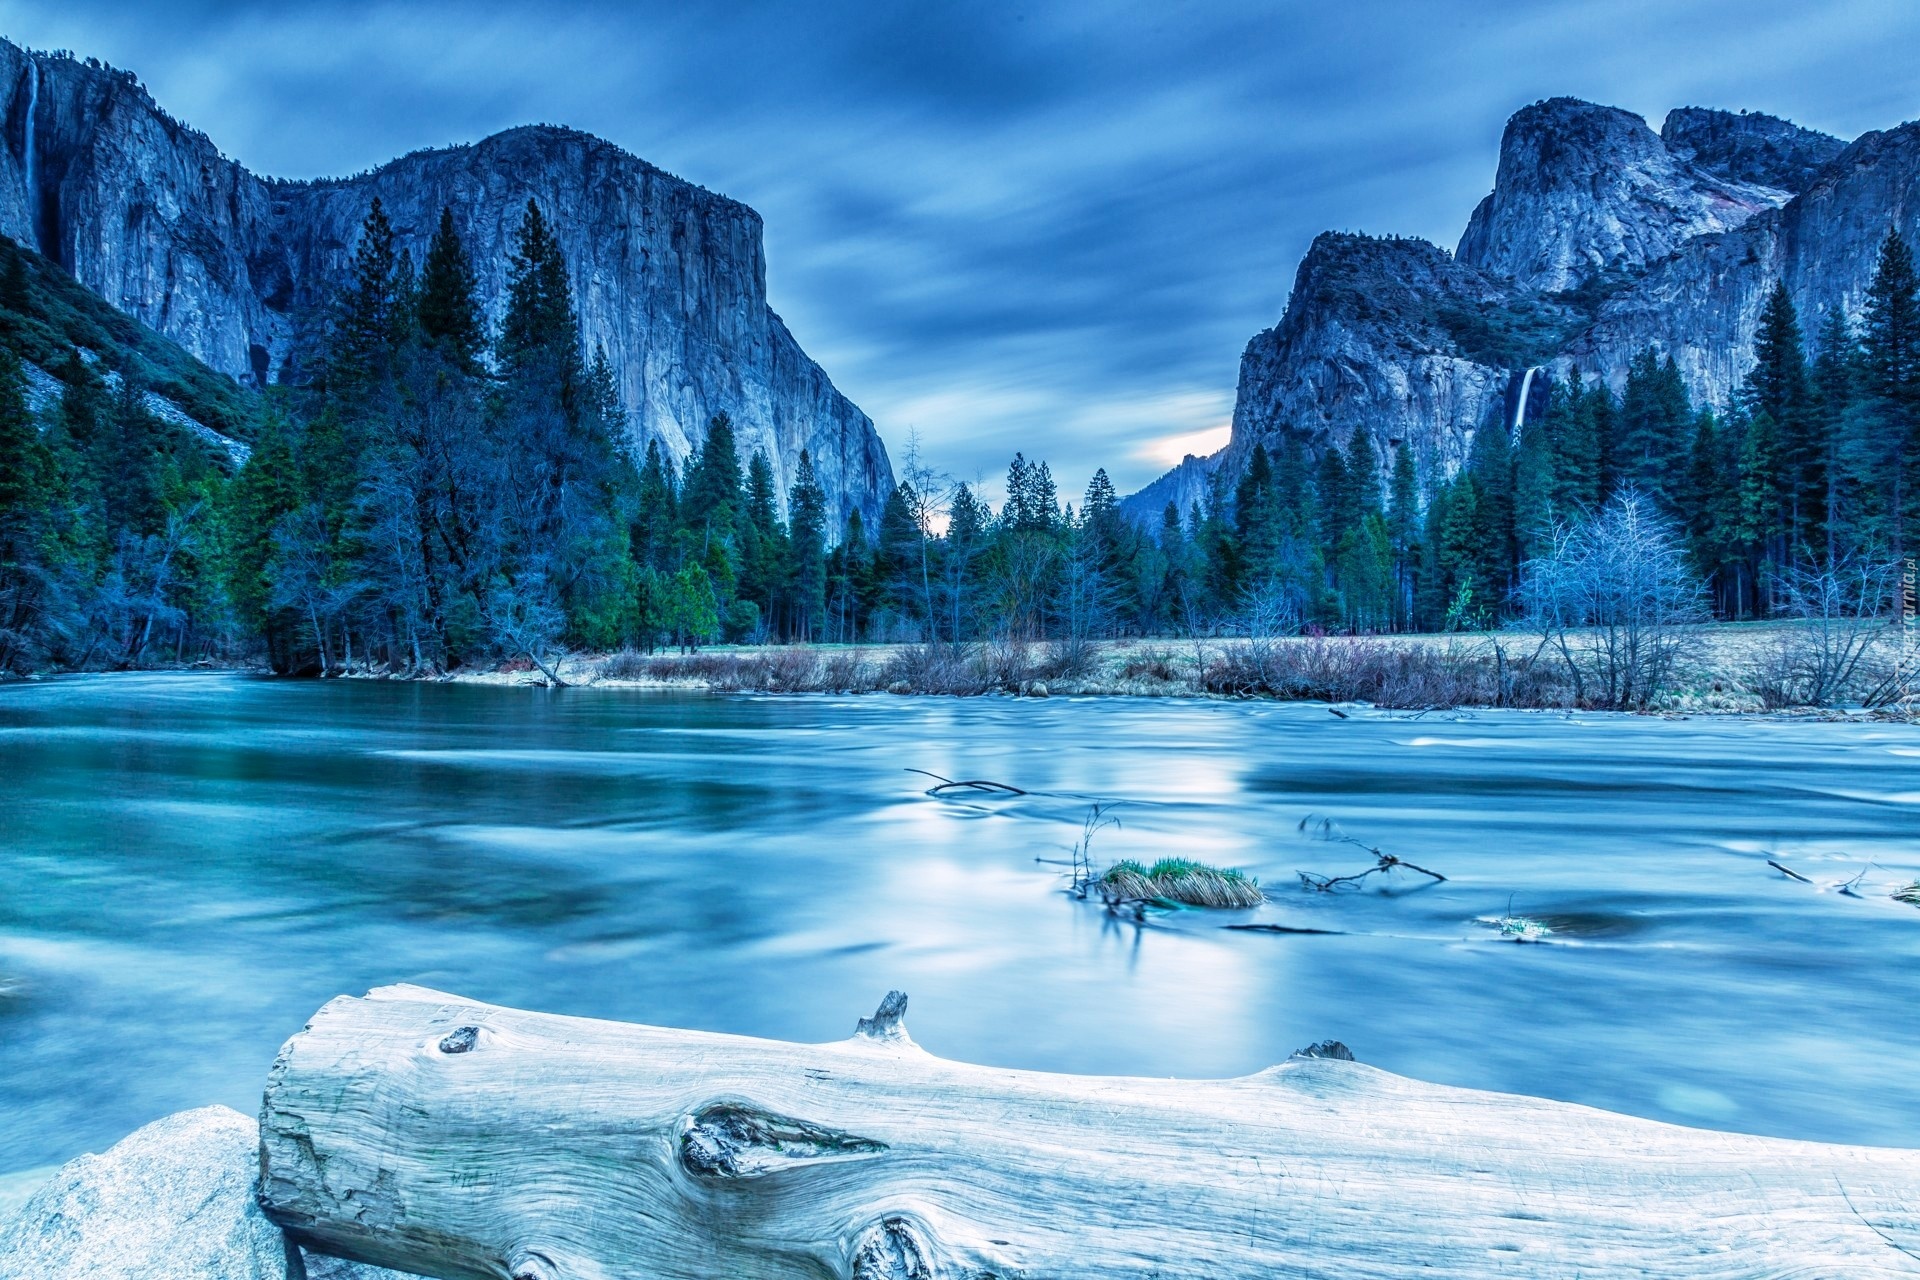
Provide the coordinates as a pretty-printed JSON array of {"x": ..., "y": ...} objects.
[{"x": 1727, "y": 669}]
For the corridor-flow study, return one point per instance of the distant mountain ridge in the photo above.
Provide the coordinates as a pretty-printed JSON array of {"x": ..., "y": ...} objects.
[
  {"x": 1600, "y": 238},
  {"x": 668, "y": 277}
]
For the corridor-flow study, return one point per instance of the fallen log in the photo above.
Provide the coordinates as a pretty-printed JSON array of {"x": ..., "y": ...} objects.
[{"x": 428, "y": 1133}]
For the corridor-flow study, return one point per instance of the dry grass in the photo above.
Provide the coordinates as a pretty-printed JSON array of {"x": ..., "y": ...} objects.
[
  {"x": 1909, "y": 895},
  {"x": 1179, "y": 880},
  {"x": 1404, "y": 672}
]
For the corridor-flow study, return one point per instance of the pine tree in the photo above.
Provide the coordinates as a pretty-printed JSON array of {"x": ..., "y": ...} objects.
[
  {"x": 448, "y": 310},
  {"x": 1777, "y": 389},
  {"x": 807, "y": 530},
  {"x": 1890, "y": 384},
  {"x": 1574, "y": 426},
  {"x": 131, "y": 462},
  {"x": 711, "y": 498},
  {"x": 602, "y": 397},
  {"x": 1403, "y": 532},
  {"x": 763, "y": 561},
  {"x": 28, "y": 483},
  {"x": 539, "y": 343},
  {"x": 1257, "y": 529},
  {"x": 1337, "y": 508},
  {"x": 369, "y": 316},
  {"x": 1490, "y": 466},
  {"x": 265, "y": 491},
  {"x": 1834, "y": 368},
  {"x": 1535, "y": 482},
  {"x": 655, "y": 512},
  {"x": 1654, "y": 430},
  {"x": 1363, "y": 474}
]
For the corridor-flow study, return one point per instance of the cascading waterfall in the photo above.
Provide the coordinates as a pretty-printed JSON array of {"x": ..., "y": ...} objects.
[
  {"x": 1520, "y": 410},
  {"x": 26, "y": 159}
]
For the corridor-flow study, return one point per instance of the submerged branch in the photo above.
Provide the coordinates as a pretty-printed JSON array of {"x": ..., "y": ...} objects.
[
  {"x": 1383, "y": 862},
  {"x": 971, "y": 784}
]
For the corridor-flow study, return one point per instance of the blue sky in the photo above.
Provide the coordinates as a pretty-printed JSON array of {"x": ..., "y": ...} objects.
[{"x": 1042, "y": 227}]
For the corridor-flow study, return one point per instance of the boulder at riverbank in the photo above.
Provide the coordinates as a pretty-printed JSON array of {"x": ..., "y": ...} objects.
[{"x": 171, "y": 1201}]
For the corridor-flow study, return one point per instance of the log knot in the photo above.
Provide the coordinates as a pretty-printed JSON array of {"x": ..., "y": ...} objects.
[
  {"x": 730, "y": 1140},
  {"x": 891, "y": 1250},
  {"x": 887, "y": 1022},
  {"x": 459, "y": 1040}
]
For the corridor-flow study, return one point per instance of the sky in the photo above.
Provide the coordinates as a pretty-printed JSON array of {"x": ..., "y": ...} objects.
[{"x": 1050, "y": 228}]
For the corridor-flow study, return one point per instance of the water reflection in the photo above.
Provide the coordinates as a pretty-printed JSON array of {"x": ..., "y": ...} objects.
[{"x": 190, "y": 865}]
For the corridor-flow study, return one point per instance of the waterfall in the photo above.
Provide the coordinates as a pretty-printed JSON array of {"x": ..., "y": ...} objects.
[
  {"x": 26, "y": 159},
  {"x": 1520, "y": 410}
]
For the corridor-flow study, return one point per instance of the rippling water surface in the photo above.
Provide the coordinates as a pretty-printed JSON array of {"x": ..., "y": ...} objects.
[{"x": 191, "y": 865}]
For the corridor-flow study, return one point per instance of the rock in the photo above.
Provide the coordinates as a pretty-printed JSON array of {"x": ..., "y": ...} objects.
[
  {"x": 1749, "y": 147},
  {"x": 1601, "y": 238},
  {"x": 1584, "y": 189},
  {"x": 1385, "y": 333},
  {"x": 1038, "y": 689},
  {"x": 668, "y": 277},
  {"x": 173, "y": 1201},
  {"x": 1703, "y": 304}
]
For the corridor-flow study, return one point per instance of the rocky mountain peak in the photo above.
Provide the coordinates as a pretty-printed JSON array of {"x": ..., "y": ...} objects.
[
  {"x": 669, "y": 278},
  {"x": 1749, "y": 147},
  {"x": 1584, "y": 190}
]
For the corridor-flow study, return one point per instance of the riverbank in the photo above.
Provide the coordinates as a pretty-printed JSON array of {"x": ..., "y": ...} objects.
[{"x": 1733, "y": 668}]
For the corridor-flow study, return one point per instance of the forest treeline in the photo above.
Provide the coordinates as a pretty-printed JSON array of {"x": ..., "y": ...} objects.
[{"x": 431, "y": 494}]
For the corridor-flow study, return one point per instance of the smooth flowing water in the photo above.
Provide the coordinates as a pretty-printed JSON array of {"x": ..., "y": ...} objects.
[{"x": 193, "y": 863}]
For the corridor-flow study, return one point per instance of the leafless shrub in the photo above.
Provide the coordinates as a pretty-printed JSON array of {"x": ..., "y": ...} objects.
[
  {"x": 1615, "y": 600},
  {"x": 934, "y": 667},
  {"x": 1841, "y": 609},
  {"x": 1072, "y": 657},
  {"x": 1006, "y": 663},
  {"x": 628, "y": 664},
  {"x": 1155, "y": 664},
  {"x": 1361, "y": 669},
  {"x": 847, "y": 671}
]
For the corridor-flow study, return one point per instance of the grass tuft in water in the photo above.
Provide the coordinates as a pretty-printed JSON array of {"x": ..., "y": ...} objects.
[
  {"x": 1181, "y": 880},
  {"x": 1512, "y": 928},
  {"x": 1909, "y": 895}
]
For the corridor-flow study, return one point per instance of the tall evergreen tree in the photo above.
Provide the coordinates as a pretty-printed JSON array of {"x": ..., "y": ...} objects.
[
  {"x": 1777, "y": 388},
  {"x": 539, "y": 342},
  {"x": 448, "y": 311},
  {"x": 1890, "y": 384},
  {"x": 1655, "y": 428},
  {"x": 1833, "y": 376},
  {"x": 807, "y": 531},
  {"x": 370, "y": 317}
]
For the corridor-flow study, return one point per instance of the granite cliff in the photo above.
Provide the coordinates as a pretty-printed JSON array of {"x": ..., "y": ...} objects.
[
  {"x": 1601, "y": 238},
  {"x": 668, "y": 277}
]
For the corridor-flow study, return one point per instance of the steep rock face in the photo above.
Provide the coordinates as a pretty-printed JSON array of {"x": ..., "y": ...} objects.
[
  {"x": 1749, "y": 147},
  {"x": 669, "y": 278},
  {"x": 1379, "y": 333},
  {"x": 1585, "y": 189},
  {"x": 1676, "y": 239},
  {"x": 1184, "y": 485},
  {"x": 1703, "y": 305}
]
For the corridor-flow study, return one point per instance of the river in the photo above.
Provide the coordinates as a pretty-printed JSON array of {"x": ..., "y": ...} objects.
[{"x": 190, "y": 865}]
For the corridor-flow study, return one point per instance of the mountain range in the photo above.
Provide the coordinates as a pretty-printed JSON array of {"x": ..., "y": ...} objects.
[
  {"x": 1600, "y": 239},
  {"x": 669, "y": 278}
]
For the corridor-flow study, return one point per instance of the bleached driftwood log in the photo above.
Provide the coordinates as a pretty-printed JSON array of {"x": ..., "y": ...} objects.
[{"x": 425, "y": 1132}]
